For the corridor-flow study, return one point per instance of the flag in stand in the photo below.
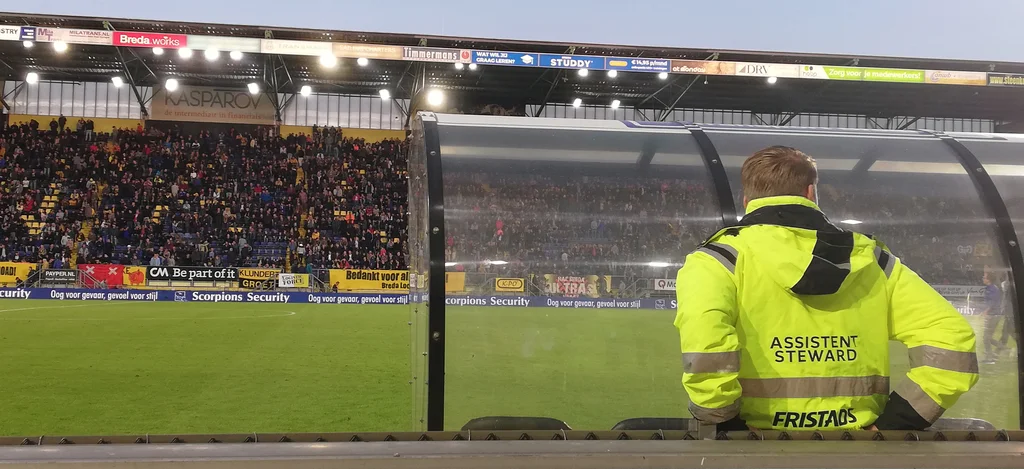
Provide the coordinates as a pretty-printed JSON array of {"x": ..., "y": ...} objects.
[{"x": 102, "y": 275}]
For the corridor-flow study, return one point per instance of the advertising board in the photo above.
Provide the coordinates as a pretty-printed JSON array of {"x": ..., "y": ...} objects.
[
  {"x": 509, "y": 285},
  {"x": 206, "y": 104},
  {"x": 197, "y": 274},
  {"x": 141, "y": 39},
  {"x": 75, "y": 36}
]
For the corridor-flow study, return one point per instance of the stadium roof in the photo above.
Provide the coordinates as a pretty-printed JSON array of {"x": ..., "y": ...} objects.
[{"x": 514, "y": 86}]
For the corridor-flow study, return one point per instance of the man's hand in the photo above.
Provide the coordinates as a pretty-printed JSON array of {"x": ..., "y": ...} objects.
[{"x": 871, "y": 428}]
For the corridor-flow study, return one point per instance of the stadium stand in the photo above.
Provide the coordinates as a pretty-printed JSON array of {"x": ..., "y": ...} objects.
[
  {"x": 137, "y": 197},
  {"x": 615, "y": 225}
]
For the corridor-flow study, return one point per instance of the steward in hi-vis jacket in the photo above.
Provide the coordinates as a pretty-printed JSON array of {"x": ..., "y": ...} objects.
[{"x": 785, "y": 319}]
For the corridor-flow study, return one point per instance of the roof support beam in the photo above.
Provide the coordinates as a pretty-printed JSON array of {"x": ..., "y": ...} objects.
[
  {"x": 551, "y": 89},
  {"x": 789, "y": 118},
  {"x": 668, "y": 111},
  {"x": 278, "y": 82},
  {"x": 419, "y": 84},
  {"x": 131, "y": 83},
  {"x": 673, "y": 82},
  {"x": 906, "y": 125}
]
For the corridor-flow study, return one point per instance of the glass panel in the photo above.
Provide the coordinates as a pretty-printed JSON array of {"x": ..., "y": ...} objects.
[
  {"x": 911, "y": 192},
  {"x": 42, "y": 96},
  {"x": 561, "y": 211},
  {"x": 419, "y": 265},
  {"x": 71, "y": 98},
  {"x": 125, "y": 102},
  {"x": 322, "y": 110},
  {"x": 343, "y": 112},
  {"x": 1003, "y": 158},
  {"x": 89, "y": 100},
  {"x": 364, "y": 111},
  {"x": 101, "y": 100}
]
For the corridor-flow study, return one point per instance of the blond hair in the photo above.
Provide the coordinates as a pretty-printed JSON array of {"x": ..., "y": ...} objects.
[{"x": 776, "y": 171}]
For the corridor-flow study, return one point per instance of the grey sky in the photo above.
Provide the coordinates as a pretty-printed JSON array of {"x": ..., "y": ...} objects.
[{"x": 962, "y": 29}]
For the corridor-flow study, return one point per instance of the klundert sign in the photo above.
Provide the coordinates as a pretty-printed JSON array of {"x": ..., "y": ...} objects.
[{"x": 203, "y": 104}]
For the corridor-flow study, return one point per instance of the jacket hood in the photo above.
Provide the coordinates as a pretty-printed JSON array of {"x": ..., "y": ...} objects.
[{"x": 799, "y": 248}]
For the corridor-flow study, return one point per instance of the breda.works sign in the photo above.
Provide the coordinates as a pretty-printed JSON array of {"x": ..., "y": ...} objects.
[
  {"x": 135, "y": 39},
  {"x": 204, "y": 104}
]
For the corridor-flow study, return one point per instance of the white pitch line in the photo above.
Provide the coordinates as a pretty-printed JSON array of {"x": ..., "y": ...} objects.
[{"x": 42, "y": 307}]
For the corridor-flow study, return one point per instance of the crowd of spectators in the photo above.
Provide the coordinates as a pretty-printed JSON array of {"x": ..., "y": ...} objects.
[
  {"x": 138, "y": 197},
  {"x": 303, "y": 202},
  {"x": 573, "y": 225}
]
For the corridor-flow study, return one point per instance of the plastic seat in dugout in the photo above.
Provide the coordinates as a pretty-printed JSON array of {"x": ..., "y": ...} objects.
[
  {"x": 653, "y": 423},
  {"x": 498, "y": 423},
  {"x": 974, "y": 425}
]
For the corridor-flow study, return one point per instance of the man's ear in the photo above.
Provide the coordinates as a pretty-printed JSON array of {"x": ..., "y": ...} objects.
[
  {"x": 745, "y": 202},
  {"x": 812, "y": 193}
]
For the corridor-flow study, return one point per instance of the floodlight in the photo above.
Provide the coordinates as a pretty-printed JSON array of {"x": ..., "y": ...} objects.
[
  {"x": 613, "y": 73},
  {"x": 772, "y": 80},
  {"x": 28, "y": 44},
  {"x": 328, "y": 60},
  {"x": 117, "y": 81},
  {"x": 472, "y": 66},
  {"x": 583, "y": 72},
  {"x": 32, "y": 78},
  {"x": 158, "y": 51},
  {"x": 306, "y": 90},
  {"x": 211, "y": 54},
  {"x": 185, "y": 53},
  {"x": 236, "y": 55},
  {"x": 254, "y": 88},
  {"x": 615, "y": 104},
  {"x": 435, "y": 97},
  {"x": 60, "y": 46},
  {"x": 171, "y": 84},
  {"x": 459, "y": 66},
  {"x": 363, "y": 61},
  {"x": 577, "y": 102},
  {"x": 385, "y": 95}
]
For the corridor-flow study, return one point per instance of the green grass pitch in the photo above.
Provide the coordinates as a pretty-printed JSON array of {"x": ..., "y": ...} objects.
[{"x": 78, "y": 368}]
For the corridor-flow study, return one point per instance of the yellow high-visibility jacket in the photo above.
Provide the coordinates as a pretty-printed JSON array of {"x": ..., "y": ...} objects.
[{"x": 785, "y": 322}]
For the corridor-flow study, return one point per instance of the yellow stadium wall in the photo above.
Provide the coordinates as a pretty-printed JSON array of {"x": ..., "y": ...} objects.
[
  {"x": 102, "y": 124},
  {"x": 370, "y": 135}
]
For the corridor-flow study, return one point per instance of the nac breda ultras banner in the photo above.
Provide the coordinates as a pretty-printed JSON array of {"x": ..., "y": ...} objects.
[
  {"x": 205, "y": 104},
  {"x": 194, "y": 274},
  {"x": 592, "y": 286}
]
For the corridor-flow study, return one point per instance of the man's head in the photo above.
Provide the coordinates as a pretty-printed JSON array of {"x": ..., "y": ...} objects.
[{"x": 779, "y": 170}]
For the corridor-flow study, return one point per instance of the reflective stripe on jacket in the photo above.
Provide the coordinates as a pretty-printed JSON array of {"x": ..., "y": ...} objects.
[{"x": 785, "y": 323}]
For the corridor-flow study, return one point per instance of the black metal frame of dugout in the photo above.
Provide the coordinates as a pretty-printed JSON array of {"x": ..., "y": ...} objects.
[{"x": 982, "y": 181}]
